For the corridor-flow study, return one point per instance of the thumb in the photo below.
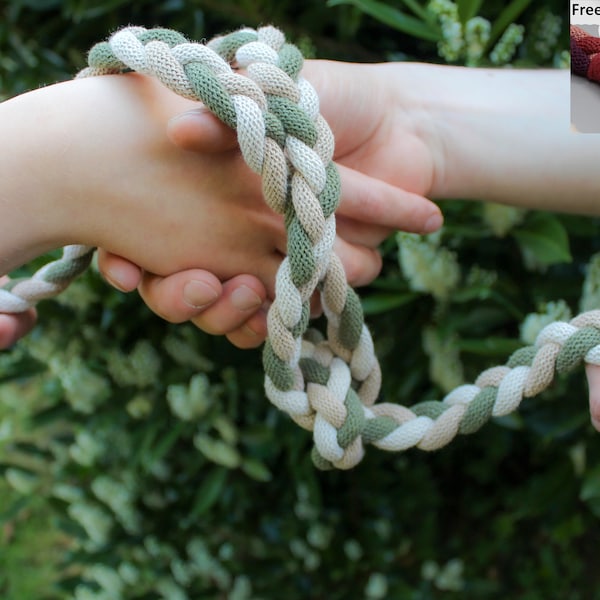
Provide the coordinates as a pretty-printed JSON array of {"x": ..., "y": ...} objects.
[{"x": 198, "y": 130}]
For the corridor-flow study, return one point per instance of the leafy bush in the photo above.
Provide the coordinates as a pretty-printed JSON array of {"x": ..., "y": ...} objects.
[{"x": 151, "y": 449}]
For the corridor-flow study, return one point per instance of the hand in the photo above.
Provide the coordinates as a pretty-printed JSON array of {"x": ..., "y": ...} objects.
[
  {"x": 215, "y": 193},
  {"x": 397, "y": 138},
  {"x": 446, "y": 132},
  {"x": 380, "y": 151},
  {"x": 371, "y": 208},
  {"x": 96, "y": 151},
  {"x": 378, "y": 132},
  {"x": 236, "y": 308},
  {"x": 115, "y": 180}
]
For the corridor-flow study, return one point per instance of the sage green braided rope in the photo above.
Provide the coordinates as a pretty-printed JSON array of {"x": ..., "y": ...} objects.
[
  {"x": 21, "y": 294},
  {"x": 327, "y": 384}
]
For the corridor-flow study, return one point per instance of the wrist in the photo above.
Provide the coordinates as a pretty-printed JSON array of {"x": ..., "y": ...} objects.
[
  {"x": 498, "y": 134},
  {"x": 500, "y": 129},
  {"x": 455, "y": 112}
]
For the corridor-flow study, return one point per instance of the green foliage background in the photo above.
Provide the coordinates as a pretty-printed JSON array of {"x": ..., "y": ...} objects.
[{"x": 141, "y": 460}]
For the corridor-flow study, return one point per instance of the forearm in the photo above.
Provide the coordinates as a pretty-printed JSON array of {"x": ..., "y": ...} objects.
[
  {"x": 503, "y": 135},
  {"x": 28, "y": 205},
  {"x": 88, "y": 162}
]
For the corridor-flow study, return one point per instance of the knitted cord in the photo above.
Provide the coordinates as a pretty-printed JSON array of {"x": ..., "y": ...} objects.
[
  {"x": 283, "y": 137},
  {"x": 327, "y": 383},
  {"x": 498, "y": 391},
  {"x": 18, "y": 295}
]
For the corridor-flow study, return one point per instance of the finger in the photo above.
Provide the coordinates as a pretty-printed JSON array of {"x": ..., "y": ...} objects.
[
  {"x": 361, "y": 264},
  {"x": 593, "y": 377},
  {"x": 252, "y": 333},
  {"x": 118, "y": 271},
  {"x": 199, "y": 130},
  {"x": 360, "y": 233},
  {"x": 241, "y": 298},
  {"x": 375, "y": 202},
  {"x": 182, "y": 296},
  {"x": 14, "y": 327}
]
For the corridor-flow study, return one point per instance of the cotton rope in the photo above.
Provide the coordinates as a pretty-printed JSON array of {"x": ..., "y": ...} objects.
[{"x": 326, "y": 384}]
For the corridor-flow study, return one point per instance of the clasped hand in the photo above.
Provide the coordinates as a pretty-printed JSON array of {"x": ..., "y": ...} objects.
[{"x": 160, "y": 186}]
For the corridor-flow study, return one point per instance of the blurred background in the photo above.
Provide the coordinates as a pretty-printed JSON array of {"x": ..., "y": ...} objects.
[{"x": 141, "y": 460}]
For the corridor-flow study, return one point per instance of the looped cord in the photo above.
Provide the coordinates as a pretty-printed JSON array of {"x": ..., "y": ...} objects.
[{"x": 327, "y": 383}]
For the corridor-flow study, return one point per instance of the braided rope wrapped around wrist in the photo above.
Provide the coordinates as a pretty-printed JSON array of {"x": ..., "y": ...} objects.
[{"x": 327, "y": 384}]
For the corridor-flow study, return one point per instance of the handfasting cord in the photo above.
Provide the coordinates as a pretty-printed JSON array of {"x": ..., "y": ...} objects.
[{"x": 326, "y": 383}]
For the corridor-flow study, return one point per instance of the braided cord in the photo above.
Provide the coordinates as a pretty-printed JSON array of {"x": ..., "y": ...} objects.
[
  {"x": 498, "y": 391},
  {"x": 18, "y": 295},
  {"x": 327, "y": 383}
]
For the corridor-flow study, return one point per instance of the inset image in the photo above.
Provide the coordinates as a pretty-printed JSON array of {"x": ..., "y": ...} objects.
[{"x": 585, "y": 78}]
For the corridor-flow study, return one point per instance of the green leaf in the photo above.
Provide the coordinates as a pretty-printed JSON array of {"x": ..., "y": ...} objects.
[
  {"x": 381, "y": 303},
  {"x": 552, "y": 425},
  {"x": 594, "y": 506},
  {"x": 394, "y": 18},
  {"x": 513, "y": 421},
  {"x": 256, "y": 469},
  {"x": 208, "y": 493},
  {"x": 15, "y": 507},
  {"x": 40, "y": 5},
  {"x": 509, "y": 15},
  {"x": 421, "y": 12},
  {"x": 479, "y": 321},
  {"x": 395, "y": 284},
  {"x": 545, "y": 238},
  {"x": 164, "y": 446},
  {"x": 227, "y": 429},
  {"x": 467, "y": 9},
  {"x": 143, "y": 441},
  {"x": 217, "y": 451},
  {"x": 590, "y": 489},
  {"x": 490, "y": 346},
  {"x": 474, "y": 292}
]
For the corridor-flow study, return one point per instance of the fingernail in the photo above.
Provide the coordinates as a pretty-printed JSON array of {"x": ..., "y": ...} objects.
[
  {"x": 243, "y": 298},
  {"x": 119, "y": 279},
  {"x": 259, "y": 329},
  {"x": 198, "y": 294},
  {"x": 433, "y": 223}
]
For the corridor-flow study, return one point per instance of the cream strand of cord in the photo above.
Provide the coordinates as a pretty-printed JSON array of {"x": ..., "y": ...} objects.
[{"x": 326, "y": 383}]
